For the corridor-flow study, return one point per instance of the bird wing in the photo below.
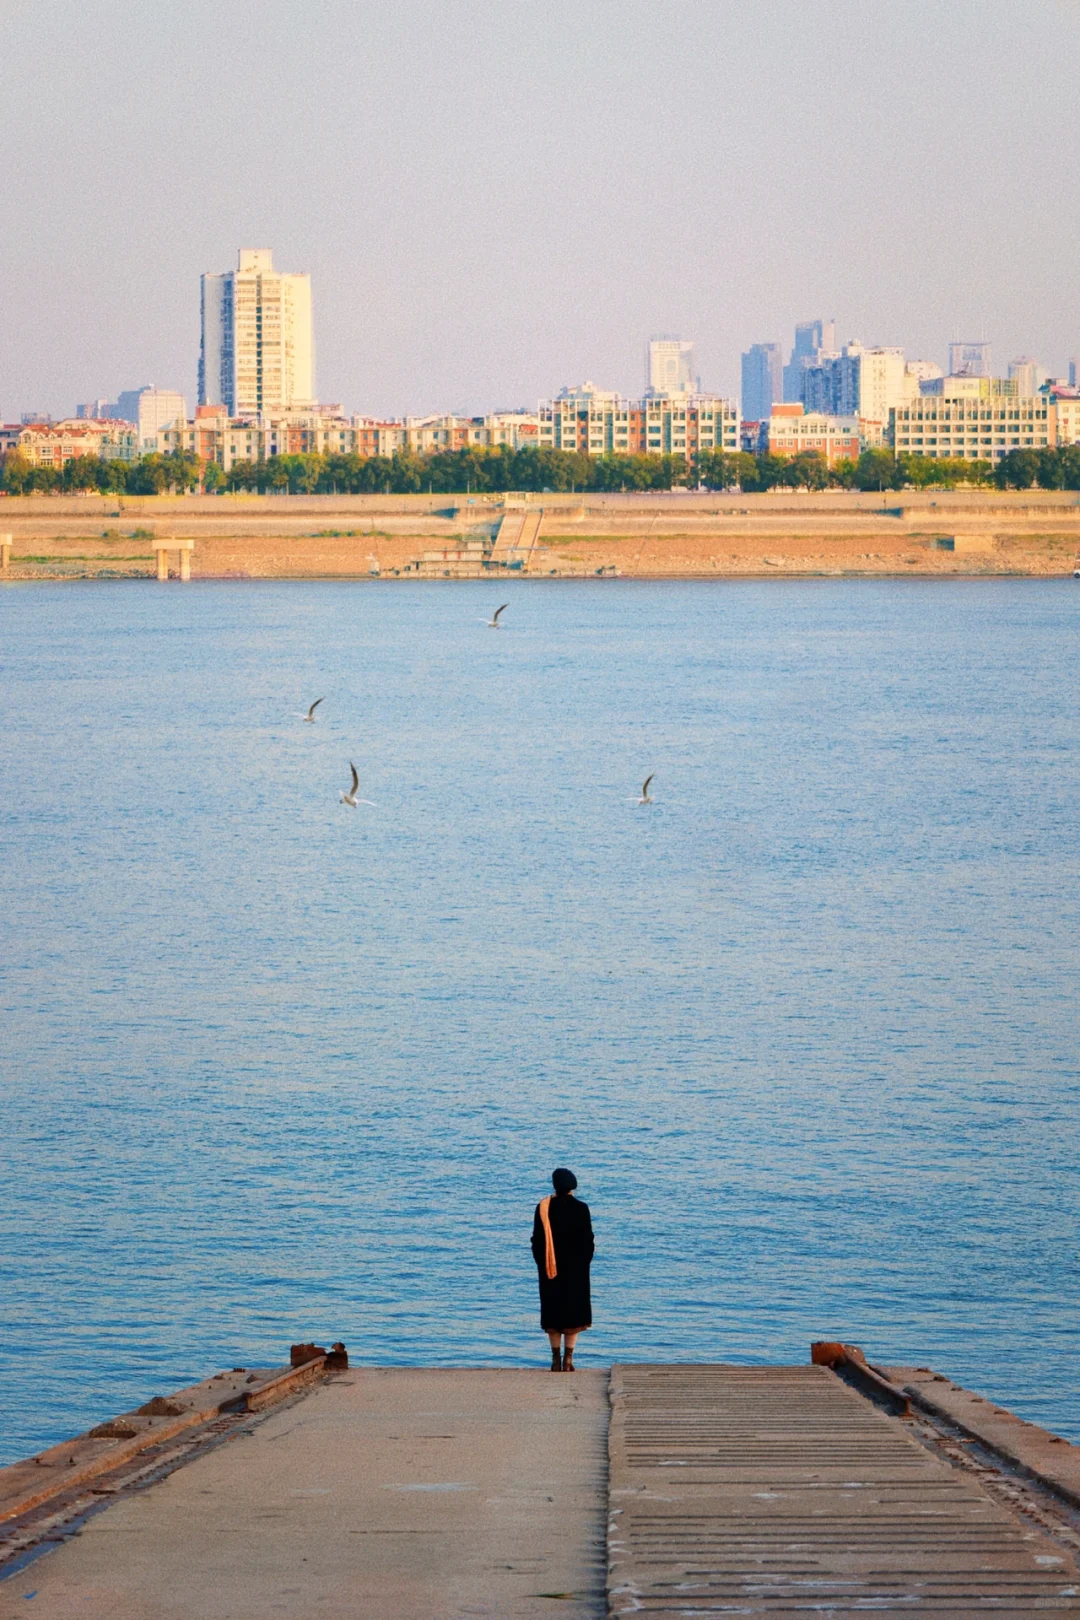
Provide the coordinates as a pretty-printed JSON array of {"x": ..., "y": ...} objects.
[
  {"x": 355, "y": 778},
  {"x": 645, "y": 789},
  {"x": 495, "y": 618},
  {"x": 314, "y": 706}
]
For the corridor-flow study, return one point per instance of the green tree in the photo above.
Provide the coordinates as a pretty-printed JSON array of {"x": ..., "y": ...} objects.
[
  {"x": 406, "y": 473},
  {"x": 1051, "y": 469},
  {"x": 15, "y": 472},
  {"x": 213, "y": 477},
  {"x": 807, "y": 470},
  {"x": 878, "y": 469},
  {"x": 770, "y": 471},
  {"x": 113, "y": 476},
  {"x": 727, "y": 469},
  {"x": 148, "y": 476},
  {"x": 1019, "y": 469},
  {"x": 920, "y": 471},
  {"x": 80, "y": 473},
  {"x": 242, "y": 475}
]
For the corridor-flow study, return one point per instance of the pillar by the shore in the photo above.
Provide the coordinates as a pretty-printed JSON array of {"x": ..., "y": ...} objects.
[
  {"x": 183, "y": 549},
  {"x": 5, "y": 552}
]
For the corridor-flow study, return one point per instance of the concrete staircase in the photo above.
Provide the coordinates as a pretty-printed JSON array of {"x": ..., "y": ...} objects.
[{"x": 516, "y": 540}]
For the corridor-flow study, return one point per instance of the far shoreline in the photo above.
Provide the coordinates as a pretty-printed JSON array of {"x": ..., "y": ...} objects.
[{"x": 685, "y": 536}]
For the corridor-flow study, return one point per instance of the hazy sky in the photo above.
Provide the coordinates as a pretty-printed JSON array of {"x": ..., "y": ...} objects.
[{"x": 495, "y": 198}]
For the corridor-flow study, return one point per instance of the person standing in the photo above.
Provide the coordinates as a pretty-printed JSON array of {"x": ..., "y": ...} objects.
[{"x": 563, "y": 1247}]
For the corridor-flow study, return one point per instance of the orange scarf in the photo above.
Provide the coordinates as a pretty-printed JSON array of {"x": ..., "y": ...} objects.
[{"x": 549, "y": 1241}]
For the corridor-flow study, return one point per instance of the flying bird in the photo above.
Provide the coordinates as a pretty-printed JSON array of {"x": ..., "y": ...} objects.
[
  {"x": 493, "y": 623},
  {"x": 350, "y": 797},
  {"x": 645, "y": 797},
  {"x": 310, "y": 716}
]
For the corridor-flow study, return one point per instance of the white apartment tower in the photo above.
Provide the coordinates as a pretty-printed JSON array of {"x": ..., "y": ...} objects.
[
  {"x": 670, "y": 367},
  {"x": 257, "y": 350}
]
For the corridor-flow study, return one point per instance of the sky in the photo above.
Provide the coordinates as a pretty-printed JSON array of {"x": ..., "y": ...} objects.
[{"x": 495, "y": 199}]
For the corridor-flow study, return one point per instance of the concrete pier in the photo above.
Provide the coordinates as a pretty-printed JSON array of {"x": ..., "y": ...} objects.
[
  {"x": 783, "y": 1490},
  {"x": 183, "y": 548},
  {"x": 387, "y": 1494},
  {"x": 438, "y": 1494}
]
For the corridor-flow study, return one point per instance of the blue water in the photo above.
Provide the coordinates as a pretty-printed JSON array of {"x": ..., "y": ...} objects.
[{"x": 805, "y": 1028}]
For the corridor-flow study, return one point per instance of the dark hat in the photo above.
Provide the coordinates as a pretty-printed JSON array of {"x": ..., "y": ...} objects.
[{"x": 563, "y": 1181}]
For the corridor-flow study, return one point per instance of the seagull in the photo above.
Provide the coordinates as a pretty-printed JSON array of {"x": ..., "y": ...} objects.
[
  {"x": 493, "y": 624},
  {"x": 350, "y": 797},
  {"x": 310, "y": 716},
  {"x": 645, "y": 798}
]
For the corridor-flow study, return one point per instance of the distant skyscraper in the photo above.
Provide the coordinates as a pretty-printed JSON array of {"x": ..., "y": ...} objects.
[
  {"x": 1074, "y": 373},
  {"x": 152, "y": 409},
  {"x": 969, "y": 359},
  {"x": 257, "y": 347},
  {"x": 859, "y": 382},
  {"x": 762, "y": 380},
  {"x": 1027, "y": 374},
  {"x": 812, "y": 340},
  {"x": 670, "y": 366}
]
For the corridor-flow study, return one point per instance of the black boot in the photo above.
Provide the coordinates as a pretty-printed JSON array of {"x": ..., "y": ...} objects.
[
  {"x": 568, "y": 1361},
  {"x": 556, "y": 1360}
]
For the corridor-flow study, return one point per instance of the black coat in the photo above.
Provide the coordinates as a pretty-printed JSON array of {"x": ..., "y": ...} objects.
[{"x": 564, "y": 1299}]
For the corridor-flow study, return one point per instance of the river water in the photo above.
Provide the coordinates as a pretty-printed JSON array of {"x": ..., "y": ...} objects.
[{"x": 805, "y": 1027}]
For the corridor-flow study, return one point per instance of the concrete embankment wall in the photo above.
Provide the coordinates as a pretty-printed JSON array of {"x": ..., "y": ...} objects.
[{"x": 652, "y": 535}]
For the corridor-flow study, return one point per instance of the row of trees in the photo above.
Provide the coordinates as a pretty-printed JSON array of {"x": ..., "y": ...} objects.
[
  {"x": 483, "y": 471},
  {"x": 150, "y": 475}
]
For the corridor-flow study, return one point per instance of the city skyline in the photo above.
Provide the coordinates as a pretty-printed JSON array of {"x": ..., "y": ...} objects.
[
  {"x": 464, "y": 256},
  {"x": 256, "y": 359}
]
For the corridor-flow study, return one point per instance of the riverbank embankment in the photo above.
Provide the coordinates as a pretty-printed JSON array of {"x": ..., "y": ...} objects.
[
  {"x": 648, "y": 536},
  {"x": 833, "y": 1486}
]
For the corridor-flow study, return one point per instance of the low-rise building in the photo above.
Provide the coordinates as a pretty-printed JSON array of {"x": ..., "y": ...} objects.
[
  {"x": 53, "y": 444},
  {"x": 595, "y": 424},
  {"x": 974, "y": 418},
  {"x": 793, "y": 431},
  {"x": 516, "y": 429},
  {"x": 1064, "y": 413},
  {"x": 215, "y": 436}
]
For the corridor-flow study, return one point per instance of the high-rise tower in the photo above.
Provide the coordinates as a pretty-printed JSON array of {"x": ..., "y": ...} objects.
[
  {"x": 669, "y": 365},
  {"x": 812, "y": 340},
  {"x": 257, "y": 348},
  {"x": 969, "y": 359},
  {"x": 762, "y": 380}
]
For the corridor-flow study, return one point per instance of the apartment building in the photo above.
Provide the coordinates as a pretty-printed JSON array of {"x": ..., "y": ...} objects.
[
  {"x": 257, "y": 353},
  {"x": 214, "y": 435},
  {"x": 515, "y": 429},
  {"x": 977, "y": 418},
  {"x": 792, "y": 430},
  {"x": 1065, "y": 418},
  {"x": 52, "y": 444},
  {"x": 151, "y": 409},
  {"x": 599, "y": 424},
  {"x": 857, "y": 382}
]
